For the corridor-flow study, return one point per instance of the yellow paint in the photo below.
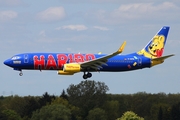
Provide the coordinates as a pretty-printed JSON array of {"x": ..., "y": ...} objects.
[
  {"x": 72, "y": 68},
  {"x": 99, "y": 53},
  {"x": 61, "y": 72},
  {"x": 156, "y": 62},
  {"x": 156, "y": 46},
  {"x": 135, "y": 63},
  {"x": 122, "y": 47}
]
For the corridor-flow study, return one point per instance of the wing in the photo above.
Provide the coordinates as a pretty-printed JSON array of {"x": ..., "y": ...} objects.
[{"x": 97, "y": 63}]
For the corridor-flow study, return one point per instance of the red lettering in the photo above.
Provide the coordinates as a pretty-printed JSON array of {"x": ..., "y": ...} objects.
[
  {"x": 90, "y": 57},
  {"x": 79, "y": 58},
  {"x": 57, "y": 63},
  {"x": 70, "y": 58},
  {"x": 51, "y": 63},
  {"x": 39, "y": 64},
  {"x": 62, "y": 59}
]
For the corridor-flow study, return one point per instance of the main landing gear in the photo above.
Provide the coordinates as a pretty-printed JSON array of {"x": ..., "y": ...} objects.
[{"x": 88, "y": 75}]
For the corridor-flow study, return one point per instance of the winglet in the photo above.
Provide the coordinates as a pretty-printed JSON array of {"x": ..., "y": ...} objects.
[{"x": 120, "y": 50}]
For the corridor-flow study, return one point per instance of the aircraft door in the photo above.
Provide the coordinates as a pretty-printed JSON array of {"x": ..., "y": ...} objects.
[
  {"x": 139, "y": 61},
  {"x": 26, "y": 58}
]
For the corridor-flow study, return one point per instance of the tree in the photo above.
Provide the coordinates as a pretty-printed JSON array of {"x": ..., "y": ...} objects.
[
  {"x": 64, "y": 95},
  {"x": 17, "y": 104},
  {"x": 32, "y": 105},
  {"x": 112, "y": 109},
  {"x": 175, "y": 112},
  {"x": 20, "y": 105},
  {"x": 52, "y": 112},
  {"x": 129, "y": 115},
  {"x": 60, "y": 100},
  {"x": 87, "y": 95},
  {"x": 75, "y": 112},
  {"x": 159, "y": 111},
  {"x": 11, "y": 115},
  {"x": 97, "y": 114},
  {"x": 160, "y": 114},
  {"x": 46, "y": 99}
]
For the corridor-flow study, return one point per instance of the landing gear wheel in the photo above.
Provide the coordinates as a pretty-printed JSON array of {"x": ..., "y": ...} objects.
[
  {"x": 85, "y": 76},
  {"x": 20, "y": 74},
  {"x": 89, "y": 75}
]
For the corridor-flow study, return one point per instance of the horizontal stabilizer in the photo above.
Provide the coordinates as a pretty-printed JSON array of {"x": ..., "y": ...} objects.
[
  {"x": 162, "y": 58},
  {"x": 156, "y": 61}
]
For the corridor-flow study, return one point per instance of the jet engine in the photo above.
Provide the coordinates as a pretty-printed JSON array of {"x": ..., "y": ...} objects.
[{"x": 72, "y": 67}]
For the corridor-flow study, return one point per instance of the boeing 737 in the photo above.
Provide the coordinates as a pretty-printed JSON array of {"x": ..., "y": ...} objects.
[{"x": 71, "y": 63}]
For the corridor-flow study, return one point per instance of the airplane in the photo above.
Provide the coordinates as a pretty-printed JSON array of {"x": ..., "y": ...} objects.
[{"x": 71, "y": 63}]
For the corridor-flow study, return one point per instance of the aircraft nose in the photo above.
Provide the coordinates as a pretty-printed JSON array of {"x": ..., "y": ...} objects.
[{"x": 7, "y": 62}]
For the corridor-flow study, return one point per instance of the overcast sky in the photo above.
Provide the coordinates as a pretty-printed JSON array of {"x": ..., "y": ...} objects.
[{"x": 88, "y": 26}]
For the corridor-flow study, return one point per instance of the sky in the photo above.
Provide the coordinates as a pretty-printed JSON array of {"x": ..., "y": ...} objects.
[{"x": 88, "y": 26}]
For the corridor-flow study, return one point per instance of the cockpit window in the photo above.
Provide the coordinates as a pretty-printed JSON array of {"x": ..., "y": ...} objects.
[{"x": 15, "y": 58}]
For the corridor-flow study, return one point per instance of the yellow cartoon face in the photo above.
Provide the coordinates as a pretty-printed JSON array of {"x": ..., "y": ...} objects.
[
  {"x": 157, "y": 45},
  {"x": 155, "y": 48}
]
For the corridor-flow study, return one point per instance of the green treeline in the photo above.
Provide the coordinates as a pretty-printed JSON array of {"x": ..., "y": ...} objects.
[{"x": 89, "y": 100}]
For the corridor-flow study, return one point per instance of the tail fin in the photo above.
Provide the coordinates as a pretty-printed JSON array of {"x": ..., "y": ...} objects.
[{"x": 155, "y": 48}]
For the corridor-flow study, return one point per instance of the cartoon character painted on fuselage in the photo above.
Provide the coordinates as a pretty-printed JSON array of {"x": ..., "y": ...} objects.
[{"x": 69, "y": 64}]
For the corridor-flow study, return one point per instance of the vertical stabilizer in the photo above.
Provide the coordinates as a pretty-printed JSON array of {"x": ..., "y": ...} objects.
[{"x": 155, "y": 48}]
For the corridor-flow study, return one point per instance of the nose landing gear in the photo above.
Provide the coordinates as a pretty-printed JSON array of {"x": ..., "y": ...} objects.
[
  {"x": 20, "y": 70},
  {"x": 88, "y": 75},
  {"x": 20, "y": 74}
]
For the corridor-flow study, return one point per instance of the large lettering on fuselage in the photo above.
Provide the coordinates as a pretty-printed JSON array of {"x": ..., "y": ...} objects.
[
  {"x": 51, "y": 63},
  {"x": 39, "y": 63},
  {"x": 61, "y": 60},
  {"x": 57, "y": 62}
]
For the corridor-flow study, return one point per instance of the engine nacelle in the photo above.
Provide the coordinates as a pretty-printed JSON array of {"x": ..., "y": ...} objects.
[
  {"x": 72, "y": 67},
  {"x": 61, "y": 72}
]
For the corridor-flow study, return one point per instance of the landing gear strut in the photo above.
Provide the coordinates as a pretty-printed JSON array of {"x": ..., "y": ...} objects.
[
  {"x": 20, "y": 74},
  {"x": 88, "y": 75}
]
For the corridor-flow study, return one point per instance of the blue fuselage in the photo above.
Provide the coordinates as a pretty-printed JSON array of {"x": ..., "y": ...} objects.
[{"x": 55, "y": 61}]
